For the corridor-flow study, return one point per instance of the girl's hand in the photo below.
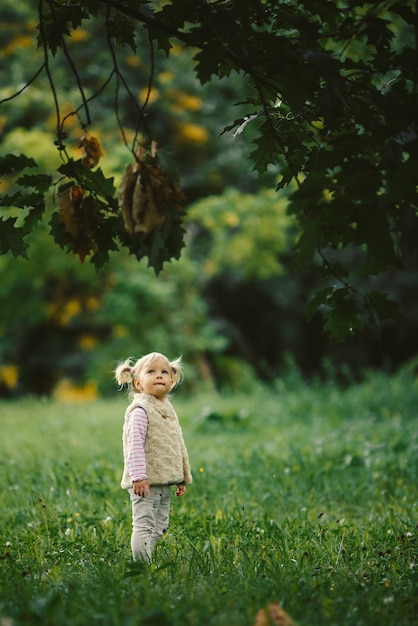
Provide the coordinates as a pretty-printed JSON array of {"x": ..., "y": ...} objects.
[
  {"x": 181, "y": 490},
  {"x": 141, "y": 488}
]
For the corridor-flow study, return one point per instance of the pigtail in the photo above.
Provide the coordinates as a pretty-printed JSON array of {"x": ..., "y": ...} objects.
[
  {"x": 124, "y": 373},
  {"x": 176, "y": 367}
]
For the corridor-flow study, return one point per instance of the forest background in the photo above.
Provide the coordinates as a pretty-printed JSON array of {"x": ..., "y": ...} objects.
[{"x": 234, "y": 304}]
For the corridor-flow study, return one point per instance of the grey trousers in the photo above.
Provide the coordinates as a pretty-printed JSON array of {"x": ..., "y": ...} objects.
[{"x": 150, "y": 517}]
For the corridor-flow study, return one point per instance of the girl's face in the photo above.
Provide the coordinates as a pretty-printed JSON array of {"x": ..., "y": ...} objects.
[{"x": 155, "y": 380}]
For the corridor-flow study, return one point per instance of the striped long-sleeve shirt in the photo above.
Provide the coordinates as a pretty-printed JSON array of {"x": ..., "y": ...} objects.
[{"x": 137, "y": 427}]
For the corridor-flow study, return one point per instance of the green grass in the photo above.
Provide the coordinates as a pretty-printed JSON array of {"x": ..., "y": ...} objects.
[{"x": 305, "y": 494}]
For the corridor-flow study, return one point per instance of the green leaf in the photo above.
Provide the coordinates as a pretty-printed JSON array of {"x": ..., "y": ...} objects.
[
  {"x": 374, "y": 229},
  {"x": 23, "y": 200},
  {"x": 93, "y": 181},
  {"x": 12, "y": 163},
  {"x": 162, "y": 244},
  {"x": 34, "y": 217},
  {"x": 207, "y": 62},
  {"x": 105, "y": 240},
  {"x": 341, "y": 323},
  {"x": 96, "y": 182},
  {"x": 42, "y": 182},
  {"x": 122, "y": 30},
  {"x": 169, "y": 19},
  {"x": 156, "y": 251},
  {"x": 320, "y": 298},
  {"x": 265, "y": 153},
  {"x": 12, "y": 238},
  {"x": 384, "y": 308},
  {"x": 173, "y": 233},
  {"x": 340, "y": 309},
  {"x": 343, "y": 315},
  {"x": 161, "y": 38},
  {"x": 55, "y": 23},
  {"x": 52, "y": 27},
  {"x": 309, "y": 240},
  {"x": 72, "y": 169},
  {"x": 173, "y": 16}
]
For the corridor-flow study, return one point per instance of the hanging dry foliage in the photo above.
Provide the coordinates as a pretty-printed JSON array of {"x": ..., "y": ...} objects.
[
  {"x": 92, "y": 151},
  {"x": 71, "y": 202},
  {"x": 144, "y": 195},
  {"x": 80, "y": 216}
]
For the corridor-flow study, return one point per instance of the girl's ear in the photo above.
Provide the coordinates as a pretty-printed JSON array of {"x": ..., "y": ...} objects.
[{"x": 137, "y": 384}]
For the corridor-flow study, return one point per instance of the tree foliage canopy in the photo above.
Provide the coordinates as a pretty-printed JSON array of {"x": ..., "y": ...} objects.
[{"x": 331, "y": 103}]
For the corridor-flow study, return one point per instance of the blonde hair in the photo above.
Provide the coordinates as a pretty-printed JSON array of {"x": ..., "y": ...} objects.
[{"x": 128, "y": 370}]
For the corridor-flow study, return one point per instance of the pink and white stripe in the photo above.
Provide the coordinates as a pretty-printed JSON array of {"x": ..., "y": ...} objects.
[{"x": 137, "y": 426}]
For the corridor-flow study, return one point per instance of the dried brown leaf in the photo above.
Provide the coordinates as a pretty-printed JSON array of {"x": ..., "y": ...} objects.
[
  {"x": 144, "y": 194},
  {"x": 70, "y": 200},
  {"x": 273, "y": 615},
  {"x": 91, "y": 150},
  {"x": 126, "y": 196},
  {"x": 262, "y": 618},
  {"x": 279, "y": 616},
  {"x": 80, "y": 215}
]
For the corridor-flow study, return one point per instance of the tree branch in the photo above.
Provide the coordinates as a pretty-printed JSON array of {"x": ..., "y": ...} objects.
[
  {"x": 76, "y": 76},
  {"x": 49, "y": 75},
  {"x": 120, "y": 79},
  {"x": 30, "y": 81}
]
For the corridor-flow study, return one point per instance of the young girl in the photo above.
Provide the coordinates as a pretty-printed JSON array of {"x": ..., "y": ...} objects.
[{"x": 155, "y": 456}]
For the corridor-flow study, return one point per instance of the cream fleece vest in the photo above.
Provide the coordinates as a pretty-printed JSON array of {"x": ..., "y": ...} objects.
[{"x": 165, "y": 451}]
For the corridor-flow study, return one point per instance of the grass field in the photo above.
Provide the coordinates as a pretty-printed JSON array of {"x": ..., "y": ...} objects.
[{"x": 303, "y": 494}]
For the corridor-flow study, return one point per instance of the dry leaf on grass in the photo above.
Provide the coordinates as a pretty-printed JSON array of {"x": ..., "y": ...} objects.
[{"x": 273, "y": 615}]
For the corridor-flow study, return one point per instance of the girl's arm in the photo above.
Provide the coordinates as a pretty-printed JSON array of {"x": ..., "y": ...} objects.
[{"x": 136, "y": 434}]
